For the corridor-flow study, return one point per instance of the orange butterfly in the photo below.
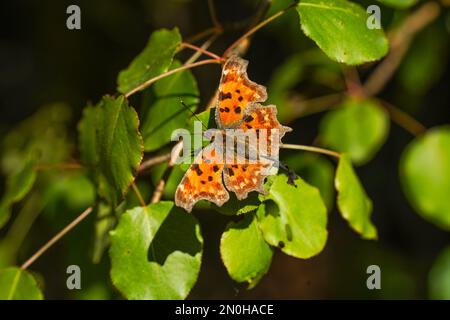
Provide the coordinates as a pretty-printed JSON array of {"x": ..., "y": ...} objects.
[{"x": 237, "y": 109}]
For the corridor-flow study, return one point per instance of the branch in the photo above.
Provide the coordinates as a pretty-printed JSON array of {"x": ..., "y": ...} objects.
[
  {"x": 256, "y": 28},
  {"x": 201, "y": 50},
  {"x": 310, "y": 149},
  {"x": 168, "y": 73},
  {"x": 162, "y": 183},
  {"x": 53, "y": 240},
  {"x": 138, "y": 195},
  {"x": 400, "y": 40},
  {"x": 153, "y": 162},
  {"x": 60, "y": 166},
  {"x": 213, "y": 15},
  {"x": 403, "y": 119}
]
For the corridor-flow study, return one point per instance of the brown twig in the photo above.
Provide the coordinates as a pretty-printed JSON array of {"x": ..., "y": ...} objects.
[
  {"x": 176, "y": 150},
  {"x": 153, "y": 162},
  {"x": 201, "y": 50},
  {"x": 400, "y": 40},
  {"x": 256, "y": 28},
  {"x": 53, "y": 240},
  {"x": 58, "y": 166},
  {"x": 138, "y": 194},
  {"x": 310, "y": 149},
  {"x": 403, "y": 119},
  {"x": 302, "y": 108},
  {"x": 149, "y": 82}
]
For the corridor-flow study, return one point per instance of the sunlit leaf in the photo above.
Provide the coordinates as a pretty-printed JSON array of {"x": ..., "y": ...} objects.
[
  {"x": 236, "y": 207},
  {"x": 439, "y": 277},
  {"x": 352, "y": 200},
  {"x": 399, "y": 4},
  {"x": 425, "y": 175},
  {"x": 120, "y": 143},
  {"x": 166, "y": 112},
  {"x": 154, "y": 60},
  {"x": 293, "y": 218},
  {"x": 358, "y": 128},
  {"x": 18, "y": 284},
  {"x": 339, "y": 29},
  {"x": 87, "y": 137},
  {"x": 156, "y": 252},
  {"x": 18, "y": 185},
  {"x": 315, "y": 170},
  {"x": 244, "y": 252}
]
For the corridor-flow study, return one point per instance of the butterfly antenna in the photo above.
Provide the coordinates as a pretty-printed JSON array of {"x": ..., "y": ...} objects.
[
  {"x": 193, "y": 114},
  {"x": 292, "y": 176}
]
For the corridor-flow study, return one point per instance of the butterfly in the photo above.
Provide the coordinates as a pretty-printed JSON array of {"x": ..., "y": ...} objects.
[{"x": 214, "y": 172}]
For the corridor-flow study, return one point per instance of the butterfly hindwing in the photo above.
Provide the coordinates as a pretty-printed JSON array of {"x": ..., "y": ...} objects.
[
  {"x": 244, "y": 178},
  {"x": 202, "y": 181}
]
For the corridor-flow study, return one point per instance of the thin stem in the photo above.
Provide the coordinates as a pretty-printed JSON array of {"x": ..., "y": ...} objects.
[
  {"x": 61, "y": 166},
  {"x": 311, "y": 149},
  {"x": 353, "y": 82},
  {"x": 256, "y": 28},
  {"x": 400, "y": 40},
  {"x": 176, "y": 150},
  {"x": 53, "y": 240},
  {"x": 138, "y": 194},
  {"x": 168, "y": 73},
  {"x": 204, "y": 46},
  {"x": 200, "y": 49},
  {"x": 403, "y": 119},
  {"x": 301, "y": 108},
  {"x": 213, "y": 14},
  {"x": 153, "y": 162},
  {"x": 203, "y": 34}
]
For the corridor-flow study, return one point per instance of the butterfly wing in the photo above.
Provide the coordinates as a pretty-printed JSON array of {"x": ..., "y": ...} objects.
[
  {"x": 203, "y": 181},
  {"x": 236, "y": 93},
  {"x": 242, "y": 178}
]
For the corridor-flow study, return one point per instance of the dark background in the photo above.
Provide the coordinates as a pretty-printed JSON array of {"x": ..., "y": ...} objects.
[{"x": 43, "y": 62}]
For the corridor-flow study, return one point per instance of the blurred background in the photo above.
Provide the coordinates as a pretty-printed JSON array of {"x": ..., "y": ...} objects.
[{"x": 49, "y": 74}]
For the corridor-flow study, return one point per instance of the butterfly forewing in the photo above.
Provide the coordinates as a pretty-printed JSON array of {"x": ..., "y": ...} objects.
[{"x": 236, "y": 93}]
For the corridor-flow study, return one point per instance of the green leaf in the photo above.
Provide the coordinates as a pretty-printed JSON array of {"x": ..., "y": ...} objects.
[
  {"x": 315, "y": 170},
  {"x": 425, "y": 175},
  {"x": 399, "y": 4},
  {"x": 339, "y": 29},
  {"x": 44, "y": 136},
  {"x": 154, "y": 60},
  {"x": 87, "y": 137},
  {"x": 294, "y": 218},
  {"x": 167, "y": 113},
  {"x": 156, "y": 252},
  {"x": 18, "y": 185},
  {"x": 244, "y": 252},
  {"x": 358, "y": 128},
  {"x": 424, "y": 63},
  {"x": 237, "y": 207},
  {"x": 119, "y": 142},
  {"x": 439, "y": 277},
  {"x": 18, "y": 284},
  {"x": 353, "y": 202}
]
